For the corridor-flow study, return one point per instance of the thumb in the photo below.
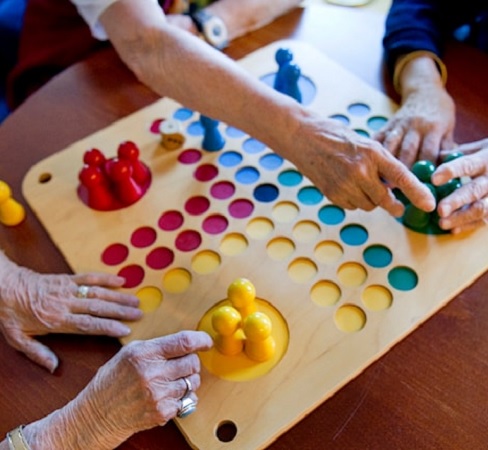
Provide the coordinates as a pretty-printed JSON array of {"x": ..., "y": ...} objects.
[{"x": 35, "y": 351}]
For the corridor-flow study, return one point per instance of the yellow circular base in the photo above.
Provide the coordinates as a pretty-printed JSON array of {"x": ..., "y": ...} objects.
[{"x": 240, "y": 367}]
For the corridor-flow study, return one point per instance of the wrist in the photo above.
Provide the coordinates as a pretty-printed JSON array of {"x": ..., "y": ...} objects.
[
  {"x": 16, "y": 440},
  {"x": 419, "y": 67}
]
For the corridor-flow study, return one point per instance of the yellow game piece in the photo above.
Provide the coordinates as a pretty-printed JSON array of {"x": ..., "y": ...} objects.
[
  {"x": 11, "y": 211},
  {"x": 226, "y": 322},
  {"x": 172, "y": 136},
  {"x": 242, "y": 293},
  {"x": 260, "y": 346}
]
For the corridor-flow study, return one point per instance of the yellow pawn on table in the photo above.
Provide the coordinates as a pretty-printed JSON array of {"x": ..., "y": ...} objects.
[
  {"x": 226, "y": 321},
  {"x": 11, "y": 211},
  {"x": 242, "y": 294},
  {"x": 260, "y": 346}
]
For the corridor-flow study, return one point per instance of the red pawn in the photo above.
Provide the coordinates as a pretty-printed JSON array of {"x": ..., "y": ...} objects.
[
  {"x": 126, "y": 189},
  {"x": 128, "y": 151},
  {"x": 94, "y": 157},
  {"x": 94, "y": 189}
]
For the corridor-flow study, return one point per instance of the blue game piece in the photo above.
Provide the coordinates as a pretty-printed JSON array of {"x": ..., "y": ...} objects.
[
  {"x": 283, "y": 57},
  {"x": 212, "y": 139},
  {"x": 291, "y": 75}
]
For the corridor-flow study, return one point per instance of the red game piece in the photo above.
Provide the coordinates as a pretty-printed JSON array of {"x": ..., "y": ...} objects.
[
  {"x": 126, "y": 188},
  {"x": 128, "y": 151},
  {"x": 94, "y": 157},
  {"x": 94, "y": 188}
]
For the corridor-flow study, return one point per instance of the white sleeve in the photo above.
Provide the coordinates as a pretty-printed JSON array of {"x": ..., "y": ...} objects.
[{"x": 91, "y": 10}]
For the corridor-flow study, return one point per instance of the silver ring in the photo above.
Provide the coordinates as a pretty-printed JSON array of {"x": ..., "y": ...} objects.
[
  {"x": 188, "y": 387},
  {"x": 83, "y": 291},
  {"x": 188, "y": 406},
  {"x": 394, "y": 133}
]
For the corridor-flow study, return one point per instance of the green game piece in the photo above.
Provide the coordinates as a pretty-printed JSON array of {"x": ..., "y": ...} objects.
[
  {"x": 415, "y": 218},
  {"x": 448, "y": 188},
  {"x": 423, "y": 170},
  {"x": 452, "y": 156}
]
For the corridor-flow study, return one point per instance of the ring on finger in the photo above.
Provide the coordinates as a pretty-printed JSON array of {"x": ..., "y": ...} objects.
[
  {"x": 188, "y": 387},
  {"x": 83, "y": 291},
  {"x": 187, "y": 407}
]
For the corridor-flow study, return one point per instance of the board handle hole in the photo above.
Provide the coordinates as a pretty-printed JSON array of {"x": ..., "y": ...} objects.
[{"x": 45, "y": 178}]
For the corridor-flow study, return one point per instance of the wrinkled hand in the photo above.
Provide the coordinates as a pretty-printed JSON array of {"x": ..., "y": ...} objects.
[
  {"x": 139, "y": 388},
  {"x": 354, "y": 171},
  {"x": 467, "y": 207},
  {"x": 422, "y": 126},
  {"x": 33, "y": 304},
  {"x": 182, "y": 21}
]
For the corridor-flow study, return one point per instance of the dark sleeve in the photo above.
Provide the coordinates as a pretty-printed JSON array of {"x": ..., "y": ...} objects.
[{"x": 414, "y": 25}]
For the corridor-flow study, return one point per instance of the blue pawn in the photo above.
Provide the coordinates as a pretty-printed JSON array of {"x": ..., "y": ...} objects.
[
  {"x": 291, "y": 75},
  {"x": 212, "y": 139},
  {"x": 283, "y": 57}
]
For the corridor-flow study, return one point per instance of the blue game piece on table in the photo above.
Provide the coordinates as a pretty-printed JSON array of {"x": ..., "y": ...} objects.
[{"x": 212, "y": 138}]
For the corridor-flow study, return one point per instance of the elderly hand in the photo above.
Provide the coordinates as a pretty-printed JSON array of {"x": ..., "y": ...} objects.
[
  {"x": 423, "y": 125},
  {"x": 139, "y": 388},
  {"x": 354, "y": 171},
  {"x": 467, "y": 207},
  {"x": 33, "y": 304}
]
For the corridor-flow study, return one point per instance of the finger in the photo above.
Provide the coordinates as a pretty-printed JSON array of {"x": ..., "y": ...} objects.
[
  {"x": 181, "y": 388},
  {"x": 398, "y": 175},
  {"x": 34, "y": 350},
  {"x": 392, "y": 140},
  {"x": 475, "y": 212},
  {"x": 429, "y": 149},
  {"x": 183, "y": 343},
  {"x": 409, "y": 148},
  {"x": 470, "y": 166},
  {"x": 102, "y": 308},
  {"x": 468, "y": 227},
  {"x": 122, "y": 298},
  {"x": 101, "y": 279},
  {"x": 467, "y": 194},
  {"x": 85, "y": 324}
]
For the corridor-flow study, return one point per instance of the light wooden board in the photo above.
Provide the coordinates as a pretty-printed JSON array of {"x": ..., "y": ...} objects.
[{"x": 320, "y": 358}]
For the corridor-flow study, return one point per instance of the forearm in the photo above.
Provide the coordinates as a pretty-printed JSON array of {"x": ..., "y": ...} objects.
[
  {"x": 76, "y": 426},
  {"x": 175, "y": 64},
  {"x": 242, "y": 17}
]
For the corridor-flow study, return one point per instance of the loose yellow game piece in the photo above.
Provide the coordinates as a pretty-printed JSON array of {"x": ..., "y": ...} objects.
[
  {"x": 11, "y": 211},
  {"x": 260, "y": 346},
  {"x": 226, "y": 322},
  {"x": 241, "y": 294},
  {"x": 172, "y": 136}
]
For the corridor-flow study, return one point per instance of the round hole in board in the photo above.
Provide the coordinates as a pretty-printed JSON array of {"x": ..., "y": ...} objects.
[{"x": 226, "y": 431}]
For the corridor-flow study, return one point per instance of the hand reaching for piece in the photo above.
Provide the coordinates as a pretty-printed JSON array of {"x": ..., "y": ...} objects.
[
  {"x": 423, "y": 125},
  {"x": 139, "y": 388},
  {"x": 467, "y": 207},
  {"x": 33, "y": 304}
]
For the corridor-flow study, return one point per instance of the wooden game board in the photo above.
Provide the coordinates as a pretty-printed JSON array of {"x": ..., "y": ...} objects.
[{"x": 244, "y": 212}]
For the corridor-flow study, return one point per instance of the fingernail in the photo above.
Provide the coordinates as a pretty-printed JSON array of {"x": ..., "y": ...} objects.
[{"x": 123, "y": 330}]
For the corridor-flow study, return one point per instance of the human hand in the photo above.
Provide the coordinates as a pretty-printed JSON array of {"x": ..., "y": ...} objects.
[
  {"x": 422, "y": 126},
  {"x": 33, "y": 304},
  {"x": 139, "y": 388},
  {"x": 467, "y": 207},
  {"x": 354, "y": 171},
  {"x": 182, "y": 21}
]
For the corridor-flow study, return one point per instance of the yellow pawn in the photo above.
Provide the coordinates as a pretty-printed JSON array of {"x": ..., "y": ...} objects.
[
  {"x": 260, "y": 346},
  {"x": 11, "y": 211},
  {"x": 242, "y": 295},
  {"x": 226, "y": 322}
]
